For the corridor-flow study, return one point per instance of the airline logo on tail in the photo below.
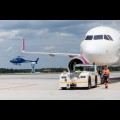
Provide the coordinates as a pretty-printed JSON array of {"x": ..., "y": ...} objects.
[{"x": 23, "y": 45}]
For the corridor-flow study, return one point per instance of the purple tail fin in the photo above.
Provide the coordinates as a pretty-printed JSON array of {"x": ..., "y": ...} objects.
[{"x": 23, "y": 45}]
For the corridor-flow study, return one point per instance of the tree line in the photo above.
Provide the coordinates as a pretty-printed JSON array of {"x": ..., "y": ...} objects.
[
  {"x": 116, "y": 68},
  {"x": 6, "y": 70},
  {"x": 44, "y": 70}
]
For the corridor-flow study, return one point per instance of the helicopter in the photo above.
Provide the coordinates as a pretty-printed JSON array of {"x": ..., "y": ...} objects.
[{"x": 19, "y": 60}]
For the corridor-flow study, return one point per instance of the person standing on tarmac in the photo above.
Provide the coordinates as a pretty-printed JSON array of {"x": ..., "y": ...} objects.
[
  {"x": 99, "y": 69},
  {"x": 106, "y": 76}
]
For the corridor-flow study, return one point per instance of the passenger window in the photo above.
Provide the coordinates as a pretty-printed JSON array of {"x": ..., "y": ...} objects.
[
  {"x": 98, "y": 37},
  {"x": 110, "y": 37},
  {"x": 106, "y": 37},
  {"x": 89, "y": 37}
]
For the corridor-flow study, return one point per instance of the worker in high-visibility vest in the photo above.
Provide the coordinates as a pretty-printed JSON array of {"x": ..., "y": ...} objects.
[{"x": 106, "y": 76}]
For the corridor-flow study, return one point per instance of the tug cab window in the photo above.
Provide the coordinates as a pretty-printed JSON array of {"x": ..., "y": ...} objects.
[
  {"x": 89, "y": 37},
  {"x": 98, "y": 37}
]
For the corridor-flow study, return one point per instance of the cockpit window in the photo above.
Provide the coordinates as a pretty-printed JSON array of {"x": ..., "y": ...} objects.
[
  {"x": 110, "y": 37},
  {"x": 98, "y": 37},
  {"x": 89, "y": 37},
  {"x": 106, "y": 37}
]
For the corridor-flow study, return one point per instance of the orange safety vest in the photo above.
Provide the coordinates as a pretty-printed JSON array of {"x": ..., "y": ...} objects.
[{"x": 106, "y": 71}]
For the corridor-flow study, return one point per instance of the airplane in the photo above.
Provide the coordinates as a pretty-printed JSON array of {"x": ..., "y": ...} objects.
[
  {"x": 100, "y": 46},
  {"x": 19, "y": 60}
]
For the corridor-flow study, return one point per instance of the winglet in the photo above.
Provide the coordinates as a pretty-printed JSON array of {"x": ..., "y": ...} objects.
[{"x": 23, "y": 45}]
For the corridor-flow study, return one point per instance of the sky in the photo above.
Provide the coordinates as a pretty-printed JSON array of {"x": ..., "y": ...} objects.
[{"x": 44, "y": 36}]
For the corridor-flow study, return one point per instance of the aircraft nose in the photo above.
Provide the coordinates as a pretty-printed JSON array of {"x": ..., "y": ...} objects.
[
  {"x": 91, "y": 50},
  {"x": 97, "y": 53},
  {"x": 88, "y": 49}
]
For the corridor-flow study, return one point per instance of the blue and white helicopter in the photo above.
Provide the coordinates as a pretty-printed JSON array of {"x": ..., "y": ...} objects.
[{"x": 19, "y": 60}]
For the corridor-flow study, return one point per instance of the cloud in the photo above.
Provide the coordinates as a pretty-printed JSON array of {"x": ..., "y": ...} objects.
[
  {"x": 49, "y": 48},
  {"x": 2, "y": 40},
  {"x": 64, "y": 34},
  {"x": 9, "y": 35},
  {"x": 9, "y": 49},
  {"x": 40, "y": 35},
  {"x": 42, "y": 32}
]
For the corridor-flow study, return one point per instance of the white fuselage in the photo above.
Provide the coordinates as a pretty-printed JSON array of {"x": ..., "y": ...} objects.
[
  {"x": 101, "y": 45},
  {"x": 100, "y": 50}
]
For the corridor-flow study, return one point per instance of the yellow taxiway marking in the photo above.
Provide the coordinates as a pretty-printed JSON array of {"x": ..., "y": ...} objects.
[{"x": 73, "y": 82}]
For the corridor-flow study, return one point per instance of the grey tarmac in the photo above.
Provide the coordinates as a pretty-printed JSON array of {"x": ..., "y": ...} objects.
[{"x": 45, "y": 87}]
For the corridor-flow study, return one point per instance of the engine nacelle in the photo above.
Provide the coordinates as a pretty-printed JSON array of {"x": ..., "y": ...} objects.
[{"x": 76, "y": 60}]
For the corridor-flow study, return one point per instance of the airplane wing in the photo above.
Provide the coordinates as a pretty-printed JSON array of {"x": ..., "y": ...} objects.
[
  {"x": 53, "y": 54},
  {"x": 47, "y": 53}
]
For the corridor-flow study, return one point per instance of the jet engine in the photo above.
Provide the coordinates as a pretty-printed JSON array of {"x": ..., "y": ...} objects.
[{"x": 76, "y": 60}]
